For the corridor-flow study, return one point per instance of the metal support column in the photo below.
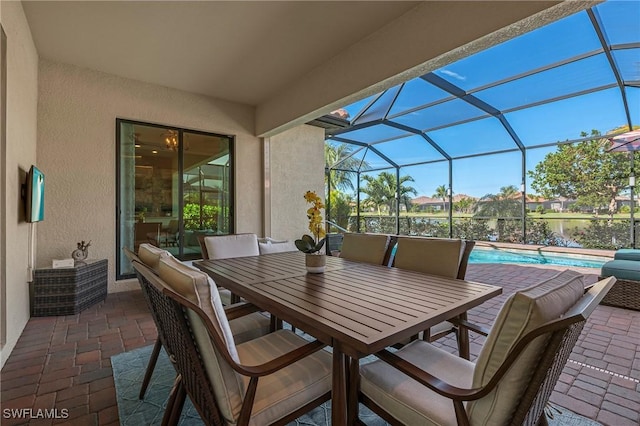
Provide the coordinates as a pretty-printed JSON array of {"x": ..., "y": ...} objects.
[
  {"x": 358, "y": 203},
  {"x": 523, "y": 188},
  {"x": 450, "y": 195},
  {"x": 327, "y": 200},
  {"x": 632, "y": 185},
  {"x": 397, "y": 200}
]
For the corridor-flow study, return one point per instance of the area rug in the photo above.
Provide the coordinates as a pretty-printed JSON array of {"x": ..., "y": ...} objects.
[{"x": 128, "y": 372}]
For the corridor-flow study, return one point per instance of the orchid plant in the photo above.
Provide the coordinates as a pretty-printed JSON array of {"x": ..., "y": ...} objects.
[{"x": 314, "y": 242}]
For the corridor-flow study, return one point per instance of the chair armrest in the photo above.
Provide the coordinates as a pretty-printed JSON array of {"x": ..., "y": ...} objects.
[
  {"x": 432, "y": 382},
  {"x": 282, "y": 361},
  {"x": 241, "y": 309},
  {"x": 476, "y": 328},
  {"x": 254, "y": 371}
]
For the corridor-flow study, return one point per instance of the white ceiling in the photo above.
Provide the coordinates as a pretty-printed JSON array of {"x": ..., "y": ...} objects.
[
  {"x": 239, "y": 51},
  {"x": 292, "y": 60}
]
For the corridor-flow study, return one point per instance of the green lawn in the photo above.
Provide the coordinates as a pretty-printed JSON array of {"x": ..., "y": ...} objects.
[{"x": 532, "y": 215}]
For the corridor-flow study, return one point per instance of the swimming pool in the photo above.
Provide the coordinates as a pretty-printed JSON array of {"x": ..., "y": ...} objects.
[{"x": 486, "y": 255}]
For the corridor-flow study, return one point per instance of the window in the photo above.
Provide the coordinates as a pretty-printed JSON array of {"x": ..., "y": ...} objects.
[{"x": 174, "y": 185}]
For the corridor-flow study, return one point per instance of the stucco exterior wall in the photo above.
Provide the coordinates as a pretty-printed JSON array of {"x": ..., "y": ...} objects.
[
  {"x": 297, "y": 166},
  {"x": 77, "y": 110},
  {"x": 19, "y": 155}
]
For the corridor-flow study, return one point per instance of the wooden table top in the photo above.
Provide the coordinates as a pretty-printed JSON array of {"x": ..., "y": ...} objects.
[{"x": 361, "y": 307}]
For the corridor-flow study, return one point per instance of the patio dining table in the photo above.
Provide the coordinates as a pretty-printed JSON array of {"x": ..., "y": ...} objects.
[{"x": 356, "y": 308}]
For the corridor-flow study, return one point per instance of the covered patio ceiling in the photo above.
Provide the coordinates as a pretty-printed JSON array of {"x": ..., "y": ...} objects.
[{"x": 541, "y": 89}]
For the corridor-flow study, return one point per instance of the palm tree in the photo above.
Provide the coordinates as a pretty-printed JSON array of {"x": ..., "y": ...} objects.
[
  {"x": 342, "y": 179},
  {"x": 504, "y": 204},
  {"x": 441, "y": 193},
  {"x": 381, "y": 190},
  {"x": 509, "y": 192},
  {"x": 376, "y": 191},
  {"x": 464, "y": 205}
]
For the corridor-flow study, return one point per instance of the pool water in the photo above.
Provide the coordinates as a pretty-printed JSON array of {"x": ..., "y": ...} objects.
[{"x": 479, "y": 255}]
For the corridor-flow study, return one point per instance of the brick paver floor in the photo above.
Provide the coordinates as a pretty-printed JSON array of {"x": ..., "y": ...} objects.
[{"x": 64, "y": 362}]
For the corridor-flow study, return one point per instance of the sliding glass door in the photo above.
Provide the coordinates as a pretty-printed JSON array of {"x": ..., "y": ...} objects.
[{"x": 174, "y": 186}]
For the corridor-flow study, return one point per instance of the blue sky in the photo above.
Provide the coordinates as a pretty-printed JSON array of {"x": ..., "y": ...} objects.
[{"x": 563, "y": 119}]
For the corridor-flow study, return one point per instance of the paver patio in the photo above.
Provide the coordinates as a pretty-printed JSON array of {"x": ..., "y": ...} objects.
[{"x": 64, "y": 362}]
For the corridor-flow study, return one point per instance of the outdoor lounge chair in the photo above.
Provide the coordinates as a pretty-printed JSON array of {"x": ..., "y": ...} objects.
[
  {"x": 270, "y": 380},
  {"x": 625, "y": 266},
  {"x": 513, "y": 377}
]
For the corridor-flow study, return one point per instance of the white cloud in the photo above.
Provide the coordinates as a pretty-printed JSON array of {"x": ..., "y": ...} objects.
[{"x": 453, "y": 74}]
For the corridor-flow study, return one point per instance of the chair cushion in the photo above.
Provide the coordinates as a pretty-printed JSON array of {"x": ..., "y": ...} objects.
[
  {"x": 249, "y": 327},
  {"x": 226, "y": 246},
  {"x": 268, "y": 246},
  {"x": 150, "y": 255},
  {"x": 437, "y": 256},
  {"x": 290, "y": 388},
  {"x": 369, "y": 248},
  {"x": 622, "y": 269},
  {"x": 523, "y": 311},
  {"x": 409, "y": 401},
  {"x": 225, "y": 296},
  {"x": 198, "y": 288},
  {"x": 627, "y": 254}
]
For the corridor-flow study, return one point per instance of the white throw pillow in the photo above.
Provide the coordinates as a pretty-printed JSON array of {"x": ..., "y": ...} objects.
[{"x": 268, "y": 245}]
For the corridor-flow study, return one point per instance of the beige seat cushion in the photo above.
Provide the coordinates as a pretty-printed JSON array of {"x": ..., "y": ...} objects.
[
  {"x": 249, "y": 327},
  {"x": 437, "y": 256},
  {"x": 367, "y": 248},
  {"x": 523, "y": 311},
  {"x": 409, "y": 401},
  {"x": 225, "y": 296},
  {"x": 292, "y": 387},
  {"x": 150, "y": 255},
  {"x": 227, "y": 246}
]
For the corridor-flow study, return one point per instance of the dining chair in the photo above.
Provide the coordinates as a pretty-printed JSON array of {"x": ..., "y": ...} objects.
[
  {"x": 269, "y": 380},
  {"x": 445, "y": 257},
  {"x": 369, "y": 248},
  {"x": 244, "y": 327},
  {"x": 513, "y": 376},
  {"x": 145, "y": 232},
  {"x": 225, "y": 247},
  {"x": 228, "y": 246}
]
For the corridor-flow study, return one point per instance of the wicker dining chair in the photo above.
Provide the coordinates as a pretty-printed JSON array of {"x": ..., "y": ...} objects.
[
  {"x": 151, "y": 256},
  {"x": 438, "y": 256},
  {"x": 369, "y": 248},
  {"x": 225, "y": 247},
  {"x": 515, "y": 372},
  {"x": 270, "y": 380},
  {"x": 243, "y": 327}
]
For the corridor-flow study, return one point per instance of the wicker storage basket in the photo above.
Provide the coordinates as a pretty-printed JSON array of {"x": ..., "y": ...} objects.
[{"x": 624, "y": 294}]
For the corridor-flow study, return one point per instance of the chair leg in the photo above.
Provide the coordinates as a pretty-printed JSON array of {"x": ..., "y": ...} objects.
[
  {"x": 150, "y": 367},
  {"x": 275, "y": 323},
  {"x": 175, "y": 403},
  {"x": 178, "y": 406}
]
